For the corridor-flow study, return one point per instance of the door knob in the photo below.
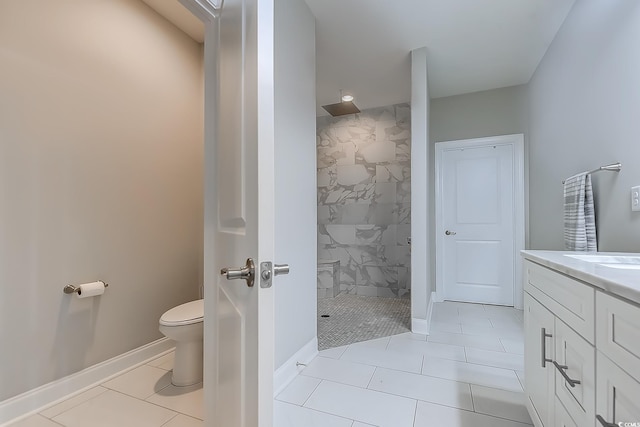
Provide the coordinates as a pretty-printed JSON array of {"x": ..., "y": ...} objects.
[
  {"x": 450, "y": 233},
  {"x": 248, "y": 272},
  {"x": 279, "y": 269}
]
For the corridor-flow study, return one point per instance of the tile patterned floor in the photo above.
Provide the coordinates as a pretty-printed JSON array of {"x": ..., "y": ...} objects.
[
  {"x": 355, "y": 318},
  {"x": 142, "y": 397},
  {"x": 467, "y": 373}
]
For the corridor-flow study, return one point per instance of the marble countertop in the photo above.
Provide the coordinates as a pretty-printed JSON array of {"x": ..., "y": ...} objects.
[{"x": 624, "y": 283}]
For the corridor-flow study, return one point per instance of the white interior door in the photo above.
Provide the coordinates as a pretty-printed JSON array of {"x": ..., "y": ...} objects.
[
  {"x": 477, "y": 213},
  {"x": 239, "y": 213}
]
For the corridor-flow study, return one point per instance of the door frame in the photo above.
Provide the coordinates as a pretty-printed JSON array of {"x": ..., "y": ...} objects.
[{"x": 517, "y": 142}]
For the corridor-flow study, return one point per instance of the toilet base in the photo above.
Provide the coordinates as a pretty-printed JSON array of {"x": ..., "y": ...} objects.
[{"x": 187, "y": 366}]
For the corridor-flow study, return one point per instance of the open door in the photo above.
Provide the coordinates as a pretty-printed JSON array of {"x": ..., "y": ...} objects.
[{"x": 239, "y": 211}]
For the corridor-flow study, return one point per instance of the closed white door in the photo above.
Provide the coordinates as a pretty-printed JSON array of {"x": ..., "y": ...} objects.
[
  {"x": 476, "y": 229},
  {"x": 239, "y": 215}
]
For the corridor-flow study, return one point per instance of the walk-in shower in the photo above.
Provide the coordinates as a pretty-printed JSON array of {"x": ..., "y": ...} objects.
[{"x": 364, "y": 228}]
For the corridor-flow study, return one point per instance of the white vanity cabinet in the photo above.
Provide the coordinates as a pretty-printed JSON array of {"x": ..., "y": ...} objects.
[
  {"x": 560, "y": 389},
  {"x": 582, "y": 352}
]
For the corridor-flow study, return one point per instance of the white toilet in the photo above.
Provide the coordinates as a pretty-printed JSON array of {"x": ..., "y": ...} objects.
[{"x": 184, "y": 325}]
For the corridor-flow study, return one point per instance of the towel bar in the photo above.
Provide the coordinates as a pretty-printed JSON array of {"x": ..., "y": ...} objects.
[{"x": 614, "y": 167}]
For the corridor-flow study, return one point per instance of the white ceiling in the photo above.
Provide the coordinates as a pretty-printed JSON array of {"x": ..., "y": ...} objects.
[
  {"x": 179, "y": 16},
  {"x": 363, "y": 46}
]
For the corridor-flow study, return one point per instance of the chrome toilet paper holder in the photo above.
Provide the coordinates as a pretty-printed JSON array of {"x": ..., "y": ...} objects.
[{"x": 70, "y": 289}]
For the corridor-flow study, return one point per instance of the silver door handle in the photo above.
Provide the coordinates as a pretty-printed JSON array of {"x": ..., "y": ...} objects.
[
  {"x": 279, "y": 269},
  {"x": 450, "y": 233},
  {"x": 248, "y": 272}
]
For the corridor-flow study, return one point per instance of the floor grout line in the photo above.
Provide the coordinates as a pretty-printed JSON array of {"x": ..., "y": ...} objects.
[
  {"x": 371, "y": 378},
  {"x": 171, "y": 419},
  {"x": 311, "y": 394},
  {"x": 473, "y": 402},
  {"x": 317, "y": 410},
  {"x": 394, "y": 354}
]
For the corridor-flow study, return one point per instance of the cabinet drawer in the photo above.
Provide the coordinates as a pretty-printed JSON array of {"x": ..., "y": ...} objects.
[
  {"x": 577, "y": 357},
  {"x": 562, "y": 417},
  {"x": 618, "y": 394},
  {"x": 617, "y": 336},
  {"x": 568, "y": 299}
]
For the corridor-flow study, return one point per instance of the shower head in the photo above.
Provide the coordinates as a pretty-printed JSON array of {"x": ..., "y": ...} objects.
[{"x": 341, "y": 108}]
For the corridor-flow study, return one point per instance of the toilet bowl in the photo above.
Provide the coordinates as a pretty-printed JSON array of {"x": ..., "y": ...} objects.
[{"x": 184, "y": 325}]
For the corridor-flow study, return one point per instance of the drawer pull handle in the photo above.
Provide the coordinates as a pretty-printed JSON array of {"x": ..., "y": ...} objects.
[
  {"x": 604, "y": 423},
  {"x": 544, "y": 337},
  {"x": 562, "y": 368}
]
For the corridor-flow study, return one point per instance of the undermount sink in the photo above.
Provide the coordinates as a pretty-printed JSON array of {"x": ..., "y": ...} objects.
[
  {"x": 612, "y": 261},
  {"x": 622, "y": 266}
]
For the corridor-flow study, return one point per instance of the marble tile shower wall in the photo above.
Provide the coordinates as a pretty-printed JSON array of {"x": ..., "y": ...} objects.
[{"x": 364, "y": 199}]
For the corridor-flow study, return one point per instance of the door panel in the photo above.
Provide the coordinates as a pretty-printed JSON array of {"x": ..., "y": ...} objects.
[
  {"x": 232, "y": 100},
  {"x": 230, "y": 333},
  {"x": 477, "y": 188},
  {"x": 239, "y": 214},
  {"x": 477, "y": 199}
]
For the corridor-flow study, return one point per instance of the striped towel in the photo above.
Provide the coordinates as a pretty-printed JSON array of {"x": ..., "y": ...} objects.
[{"x": 579, "y": 215}]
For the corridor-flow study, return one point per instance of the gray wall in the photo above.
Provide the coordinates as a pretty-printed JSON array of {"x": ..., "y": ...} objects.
[
  {"x": 584, "y": 113},
  {"x": 494, "y": 112},
  {"x": 475, "y": 115},
  {"x": 364, "y": 199},
  {"x": 295, "y": 153},
  {"x": 100, "y": 178}
]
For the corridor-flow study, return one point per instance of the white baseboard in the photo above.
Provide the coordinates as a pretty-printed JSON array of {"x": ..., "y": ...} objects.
[
  {"x": 289, "y": 369},
  {"x": 435, "y": 297},
  {"x": 35, "y": 400},
  {"x": 421, "y": 326},
  {"x": 432, "y": 300}
]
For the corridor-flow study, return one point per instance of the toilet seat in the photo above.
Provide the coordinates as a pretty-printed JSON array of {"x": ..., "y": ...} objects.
[{"x": 184, "y": 314}]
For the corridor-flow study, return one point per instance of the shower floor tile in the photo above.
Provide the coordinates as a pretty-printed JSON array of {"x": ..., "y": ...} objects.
[{"x": 355, "y": 318}]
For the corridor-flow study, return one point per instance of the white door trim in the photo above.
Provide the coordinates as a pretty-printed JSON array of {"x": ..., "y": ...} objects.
[
  {"x": 205, "y": 11},
  {"x": 517, "y": 141}
]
